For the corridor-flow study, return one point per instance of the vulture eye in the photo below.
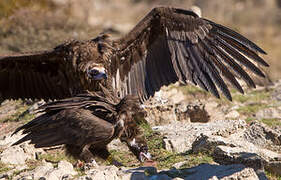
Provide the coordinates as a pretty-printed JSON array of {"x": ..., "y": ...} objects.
[
  {"x": 100, "y": 48},
  {"x": 97, "y": 73}
]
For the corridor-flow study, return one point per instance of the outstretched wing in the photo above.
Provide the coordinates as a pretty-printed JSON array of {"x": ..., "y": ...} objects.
[
  {"x": 171, "y": 45},
  {"x": 46, "y": 75},
  {"x": 74, "y": 127}
]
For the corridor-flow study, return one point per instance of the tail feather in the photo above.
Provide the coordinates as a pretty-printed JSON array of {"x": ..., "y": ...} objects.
[
  {"x": 39, "y": 121},
  {"x": 47, "y": 138}
]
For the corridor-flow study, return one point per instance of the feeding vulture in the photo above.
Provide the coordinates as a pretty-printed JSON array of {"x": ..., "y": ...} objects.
[
  {"x": 166, "y": 46},
  {"x": 85, "y": 124}
]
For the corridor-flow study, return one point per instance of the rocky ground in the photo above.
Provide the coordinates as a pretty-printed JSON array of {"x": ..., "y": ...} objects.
[
  {"x": 191, "y": 134},
  {"x": 207, "y": 139}
]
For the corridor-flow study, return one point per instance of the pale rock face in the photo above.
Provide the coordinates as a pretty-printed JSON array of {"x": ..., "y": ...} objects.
[
  {"x": 14, "y": 155},
  {"x": 228, "y": 141},
  {"x": 64, "y": 169},
  {"x": 42, "y": 170}
]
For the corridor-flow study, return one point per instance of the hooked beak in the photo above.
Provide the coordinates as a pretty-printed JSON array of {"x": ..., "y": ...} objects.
[{"x": 100, "y": 76}]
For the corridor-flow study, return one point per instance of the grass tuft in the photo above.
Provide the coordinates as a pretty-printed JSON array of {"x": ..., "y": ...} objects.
[
  {"x": 4, "y": 167},
  {"x": 56, "y": 156}
]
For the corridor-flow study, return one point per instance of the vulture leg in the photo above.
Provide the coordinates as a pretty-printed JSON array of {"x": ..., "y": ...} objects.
[
  {"x": 103, "y": 153},
  {"x": 74, "y": 151}
]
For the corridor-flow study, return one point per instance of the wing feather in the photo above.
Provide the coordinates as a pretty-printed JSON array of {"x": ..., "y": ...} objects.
[
  {"x": 39, "y": 75},
  {"x": 221, "y": 67},
  {"x": 237, "y": 37},
  {"x": 242, "y": 48},
  {"x": 77, "y": 127},
  {"x": 202, "y": 70},
  {"x": 240, "y": 58},
  {"x": 181, "y": 46}
]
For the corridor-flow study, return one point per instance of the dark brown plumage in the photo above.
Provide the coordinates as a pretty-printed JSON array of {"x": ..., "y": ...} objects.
[
  {"x": 166, "y": 46},
  {"x": 87, "y": 123}
]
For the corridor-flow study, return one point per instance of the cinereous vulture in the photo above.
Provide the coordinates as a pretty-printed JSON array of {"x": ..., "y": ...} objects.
[
  {"x": 85, "y": 124},
  {"x": 166, "y": 46}
]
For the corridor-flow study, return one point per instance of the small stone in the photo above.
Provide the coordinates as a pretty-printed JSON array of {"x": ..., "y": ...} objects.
[
  {"x": 232, "y": 115},
  {"x": 179, "y": 164}
]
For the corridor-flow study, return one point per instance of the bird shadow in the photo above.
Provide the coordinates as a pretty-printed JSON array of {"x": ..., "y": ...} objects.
[{"x": 202, "y": 171}]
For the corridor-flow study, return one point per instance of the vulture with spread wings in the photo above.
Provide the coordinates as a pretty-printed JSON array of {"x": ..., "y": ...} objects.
[
  {"x": 166, "y": 46},
  {"x": 86, "y": 123}
]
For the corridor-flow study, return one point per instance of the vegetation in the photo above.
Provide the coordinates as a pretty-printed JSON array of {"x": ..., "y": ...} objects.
[
  {"x": 252, "y": 96},
  {"x": 55, "y": 156},
  {"x": 272, "y": 121},
  {"x": 271, "y": 176},
  {"x": 4, "y": 167},
  {"x": 166, "y": 159},
  {"x": 8, "y": 7},
  {"x": 20, "y": 114}
]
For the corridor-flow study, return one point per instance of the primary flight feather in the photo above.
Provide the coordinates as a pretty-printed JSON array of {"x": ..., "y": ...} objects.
[{"x": 166, "y": 46}]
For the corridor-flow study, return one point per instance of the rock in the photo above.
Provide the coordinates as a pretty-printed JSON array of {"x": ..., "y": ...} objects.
[
  {"x": 141, "y": 173},
  {"x": 263, "y": 136},
  {"x": 4, "y": 176},
  {"x": 103, "y": 172},
  {"x": 276, "y": 95},
  {"x": 181, "y": 140},
  {"x": 47, "y": 171},
  {"x": 197, "y": 113},
  {"x": 238, "y": 148},
  {"x": 8, "y": 139},
  {"x": 160, "y": 114},
  {"x": 237, "y": 155},
  {"x": 112, "y": 172},
  {"x": 118, "y": 145},
  {"x": 42, "y": 170},
  {"x": 232, "y": 114},
  {"x": 63, "y": 171},
  {"x": 208, "y": 143},
  {"x": 179, "y": 164},
  {"x": 214, "y": 110},
  {"x": 15, "y": 155},
  {"x": 269, "y": 113}
]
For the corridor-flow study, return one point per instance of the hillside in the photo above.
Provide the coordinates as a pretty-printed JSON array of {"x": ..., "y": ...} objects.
[{"x": 190, "y": 133}]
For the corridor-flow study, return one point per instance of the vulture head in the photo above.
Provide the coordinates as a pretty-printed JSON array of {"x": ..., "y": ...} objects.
[
  {"x": 96, "y": 72},
  {"x": 139, "y": 148},
  {"x": 132, "y": 134},
  {"x": 92, "y": 63}
]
